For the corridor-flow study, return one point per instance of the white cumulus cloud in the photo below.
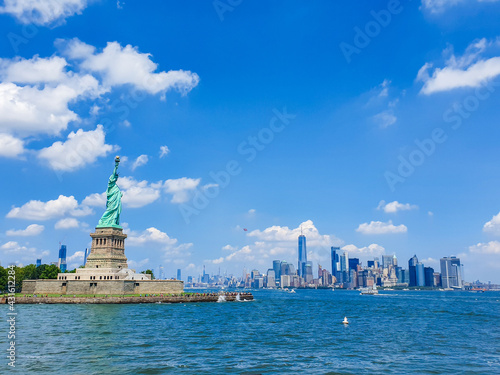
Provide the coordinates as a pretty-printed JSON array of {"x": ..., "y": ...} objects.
[
  {"x": 35, "y": 95},
  {"x": 25, "y": 253},
  {"x": 95, "y": 200},
  {"x": 181, "y": 188},
  {"x": 278, "y": 233},
  {"x": 150, "y": 235},
  {"x": 164, "y": 151},
  {"x": 38, "y": 95},
  {"x": 67, "y": 223},
  {"x": 43, "y": 12},
  {"x": 11, "y": 147},
  {"x": 493, "y": 226},
  {"x": 370, "y": 251},
  {"x": 138, "y": 193},
  {"x": 77, "y": 256},
  {"x": 80, "y": 149},
  {"x": 13, "y": 247},
  {"x": 140, "y": 161},
  {"x": 119, "y": 65},
  {"x": 492, "y": 247},
  {"x": 38, "y": 210},
  {"x": 141, "y": 193},
  {"x": 31, "y": 230},
  {"x": 468, "y": 71},
  {"x": 379, "y": 227},
  {"x": 34, "y": 71},
  {"x": 395, "y": 206},
  {"x": 280, "y": 242},
  {"x": 171, "y": 249}
]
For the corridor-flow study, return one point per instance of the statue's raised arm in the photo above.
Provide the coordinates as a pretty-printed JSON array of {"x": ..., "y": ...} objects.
[{"x": 111, "y": 218}]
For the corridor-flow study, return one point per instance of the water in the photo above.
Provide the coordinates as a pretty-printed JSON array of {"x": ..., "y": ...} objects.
[{"x": 398, "y": 332}]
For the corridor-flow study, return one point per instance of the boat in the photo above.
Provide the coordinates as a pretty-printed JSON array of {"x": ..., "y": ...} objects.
[
  {"x": 292, "y": 291},
  {"x": 369, "y": 290},
  {"x": 345, "y": 321},
  {"x": 478, "y": 290}
]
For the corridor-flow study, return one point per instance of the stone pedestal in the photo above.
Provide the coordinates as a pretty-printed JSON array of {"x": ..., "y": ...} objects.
[
  {"x": 108, "y": 249},
  {"x": 106, "y": 261}
]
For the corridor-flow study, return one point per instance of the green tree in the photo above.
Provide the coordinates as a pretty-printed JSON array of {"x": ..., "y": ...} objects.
[
  {"x": 19, "y": 272},
  {"x": 3, "y": 279},
  {"x": 149, "y": 272},
  {"x": 30, "y": 272},
  {"x": 39, "y": 270},
  {"x": 50, "y": 272}
]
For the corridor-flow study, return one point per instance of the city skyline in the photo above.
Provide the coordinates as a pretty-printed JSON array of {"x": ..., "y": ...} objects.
[
  {"x": 339, "y": 260},
  {"x": 373, "y": 126},
  {"x": 347, "y": 273}
]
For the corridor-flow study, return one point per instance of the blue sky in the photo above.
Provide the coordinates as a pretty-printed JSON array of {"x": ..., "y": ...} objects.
[{"x": 373, "y": 125}]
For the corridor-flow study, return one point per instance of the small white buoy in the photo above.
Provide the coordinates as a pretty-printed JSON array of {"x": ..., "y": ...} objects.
[{"x": 345, "y": 321}]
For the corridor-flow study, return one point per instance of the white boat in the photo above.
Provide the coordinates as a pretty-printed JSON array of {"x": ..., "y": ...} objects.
[
  {"x": 369, "y": 290},
  {"x": 292, "y": 291}
]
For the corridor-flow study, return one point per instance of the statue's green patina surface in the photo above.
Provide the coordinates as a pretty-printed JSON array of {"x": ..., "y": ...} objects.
[{"x": 111, "y": 218}]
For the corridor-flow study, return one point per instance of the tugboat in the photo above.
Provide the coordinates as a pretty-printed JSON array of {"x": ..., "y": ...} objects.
[{"x": 371, "y": 290}]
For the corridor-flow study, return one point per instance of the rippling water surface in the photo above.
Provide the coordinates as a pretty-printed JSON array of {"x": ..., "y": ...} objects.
[{"x": 399, "y": 332}]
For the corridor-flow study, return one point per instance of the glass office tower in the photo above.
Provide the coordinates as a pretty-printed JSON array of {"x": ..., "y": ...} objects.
[{"x": 302, "y": 254}]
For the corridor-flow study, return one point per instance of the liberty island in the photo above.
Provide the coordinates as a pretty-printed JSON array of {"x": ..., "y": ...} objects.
[{"x": 106, "y": 271}]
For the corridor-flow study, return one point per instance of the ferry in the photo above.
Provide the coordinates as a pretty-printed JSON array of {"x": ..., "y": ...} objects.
[
  {"x": 478, "y": 290},
  {"x": 370, "y": 291}
]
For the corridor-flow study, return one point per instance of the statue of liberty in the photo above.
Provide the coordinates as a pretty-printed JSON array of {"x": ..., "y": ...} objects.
[{"x": 111, "y": 218}]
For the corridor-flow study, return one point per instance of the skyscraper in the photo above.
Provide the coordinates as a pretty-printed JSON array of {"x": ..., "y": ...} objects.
[
  {"x": 255, "y": 274},
  {"x": 420, "y": 273},
  {"x": 271, "y": 278},
  {"x": 335, "y": 262},
  {"x": 302, "y": 254},
  {"x": 206, "y": 277},
  {"x": 277, "y": 269},
  {"x": 38, "y": 262},
  {"x": 412, "y": 263},
  {"x": 284, "y": 269},
  {"x": 307, "y": 272},
  {"x": 85, "y": 256},
  {"x": 386, "y": 261},
  {"x": 429, "y": 276},
  {"x": 62, "y": 258},
  {"x": 353, "y": 263},
  {"x": 344, "y": 263},
  {"x": 179, "y": 274},
  {"x": 451, "y": 275}
]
